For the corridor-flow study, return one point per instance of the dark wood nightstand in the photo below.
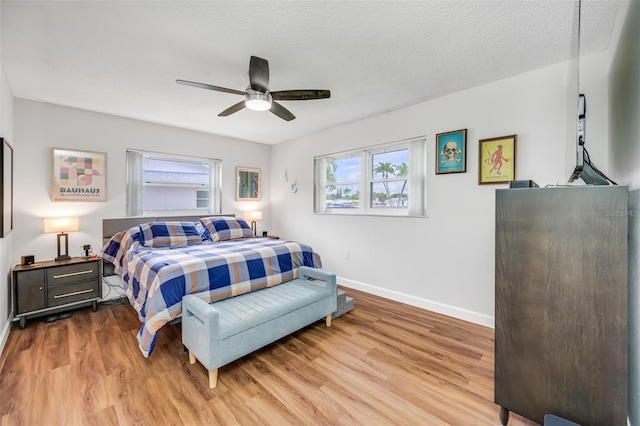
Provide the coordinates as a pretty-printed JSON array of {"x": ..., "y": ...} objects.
[{"x": 50, "y": 287}]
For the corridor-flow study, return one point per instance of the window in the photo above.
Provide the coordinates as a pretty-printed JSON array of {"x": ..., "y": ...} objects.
[
  {"x": 202, "y": 199},
  {"x": 388, "y": 179},
  {"x": 342, "y": 185},
  {"x": 159, "y": 182},
  {"x": 388, "y": 183}
]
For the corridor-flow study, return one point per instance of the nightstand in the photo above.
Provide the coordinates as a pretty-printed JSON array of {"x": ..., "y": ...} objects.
[{"x": 50, "y": 287}]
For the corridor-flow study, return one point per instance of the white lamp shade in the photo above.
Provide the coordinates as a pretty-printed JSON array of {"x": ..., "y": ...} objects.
[
  {"x": 255, "y": 215},
  {"x": 61, "y": 224}
]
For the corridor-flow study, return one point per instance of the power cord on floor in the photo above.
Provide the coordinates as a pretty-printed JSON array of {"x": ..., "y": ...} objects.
[{"x": 119, "y": 300}]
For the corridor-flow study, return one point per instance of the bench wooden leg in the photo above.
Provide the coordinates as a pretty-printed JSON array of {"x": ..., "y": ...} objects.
[
  {"x": 213, "y": 378},
  {"x": 213, "y": 374},
  {"x": 328, "y": 320}
]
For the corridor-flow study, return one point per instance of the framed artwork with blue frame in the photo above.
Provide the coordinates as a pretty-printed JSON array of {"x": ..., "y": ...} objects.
[{"x": 451, "y": 152}]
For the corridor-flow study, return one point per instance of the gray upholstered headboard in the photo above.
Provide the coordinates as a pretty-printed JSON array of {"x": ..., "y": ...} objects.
[{"x": 110, "y": 227}]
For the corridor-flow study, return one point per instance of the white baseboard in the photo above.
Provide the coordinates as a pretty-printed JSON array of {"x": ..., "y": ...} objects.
[
  {"x": 430, "y": 305},
  {"x": 5, "y": 334}
]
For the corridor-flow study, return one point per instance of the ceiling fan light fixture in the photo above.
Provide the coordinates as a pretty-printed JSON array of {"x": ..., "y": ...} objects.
[
  {"x": 257, "y": 96},
  {"x": 257, "y": 101}
]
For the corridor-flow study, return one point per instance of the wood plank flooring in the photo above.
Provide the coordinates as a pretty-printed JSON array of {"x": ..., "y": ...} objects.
[{"x": 383, "y": 363}]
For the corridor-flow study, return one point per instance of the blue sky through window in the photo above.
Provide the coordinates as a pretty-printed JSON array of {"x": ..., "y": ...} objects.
[
  {"x": 348, "y": 169},
  {"x": 396, "y": 158}
]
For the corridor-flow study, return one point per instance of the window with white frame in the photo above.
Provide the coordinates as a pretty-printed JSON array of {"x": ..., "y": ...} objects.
[
  {"x": 388, "y": 179},
  {"x": 342, "y": 183},
  {"x": 158, "y": 182}
]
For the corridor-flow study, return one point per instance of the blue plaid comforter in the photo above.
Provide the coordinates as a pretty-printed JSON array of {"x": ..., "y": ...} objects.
[{"x": 155, "y": 280}]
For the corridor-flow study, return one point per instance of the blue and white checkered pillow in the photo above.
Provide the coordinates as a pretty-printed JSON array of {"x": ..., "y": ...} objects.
[
  {"x": 203, "y": 231},
  {"x": 169, "y": 234},
  {"x": 226, "y": 228},
  {"x": 118, "y": 245}
]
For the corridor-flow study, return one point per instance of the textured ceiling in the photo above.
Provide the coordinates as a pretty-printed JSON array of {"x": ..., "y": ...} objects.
[{"x": 123, "y": 57}]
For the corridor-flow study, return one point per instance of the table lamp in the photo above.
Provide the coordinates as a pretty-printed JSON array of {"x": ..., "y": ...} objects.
[
  {"x": 253, "y": 216},
  {"x": 61, "y": 225}
]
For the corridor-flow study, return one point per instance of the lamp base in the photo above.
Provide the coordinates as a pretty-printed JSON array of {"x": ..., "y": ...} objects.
[{"x": 63, "y": 255}]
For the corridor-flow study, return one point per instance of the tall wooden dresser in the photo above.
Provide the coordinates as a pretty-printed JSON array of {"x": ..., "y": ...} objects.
[{"x": 561, "y": 303}]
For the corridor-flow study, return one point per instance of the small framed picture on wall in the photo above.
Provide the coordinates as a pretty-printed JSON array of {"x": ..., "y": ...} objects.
[
  {"x": 6, "y": 188},
  {"x": 497, "y": 158},
  {"x": 451, "y": 152},
  {"x": 247, "y": 184}
]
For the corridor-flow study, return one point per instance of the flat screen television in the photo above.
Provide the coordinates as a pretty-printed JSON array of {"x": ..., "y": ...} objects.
[
  {"x": 584, "y": 168},
  {"x": 577, "y": 113}
]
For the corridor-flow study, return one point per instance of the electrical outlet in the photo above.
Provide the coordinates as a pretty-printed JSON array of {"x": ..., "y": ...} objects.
[{"x": 346, "y": 253}]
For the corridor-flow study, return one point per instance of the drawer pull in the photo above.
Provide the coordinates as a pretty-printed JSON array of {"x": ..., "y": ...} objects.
[
  {"x": 73, "y": 274},
  {"x": 75, "y": 293}
]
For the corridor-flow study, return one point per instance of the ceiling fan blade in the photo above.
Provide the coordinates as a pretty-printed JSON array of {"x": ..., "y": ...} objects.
[
  {"x": 210, "y": 87},
  {"x": 281, "y": 111},
  {"x": 300, "y": 95},
  {"x": 233, "y": 108},
  {"x": 259, "y": 74}
]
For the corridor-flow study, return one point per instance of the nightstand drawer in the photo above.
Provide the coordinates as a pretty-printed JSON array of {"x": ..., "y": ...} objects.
[
  {"x": 72, "y": 273},
  {"x": 63, "y": 294}
]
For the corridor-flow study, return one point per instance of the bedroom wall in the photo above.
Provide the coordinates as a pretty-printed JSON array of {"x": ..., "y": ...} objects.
[
  {"x": 624, "y": 110},
  {"x": 41, "y": 126},
  {"x": 444, "y": 262},
  {"x": 6, "y": 243}
]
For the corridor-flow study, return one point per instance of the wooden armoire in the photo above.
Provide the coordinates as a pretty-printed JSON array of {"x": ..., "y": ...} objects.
[{"x": 561, "y": 303}]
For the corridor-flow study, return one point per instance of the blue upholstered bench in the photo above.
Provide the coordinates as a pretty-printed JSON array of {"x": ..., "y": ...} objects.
[{"x": 221, "y": 332}]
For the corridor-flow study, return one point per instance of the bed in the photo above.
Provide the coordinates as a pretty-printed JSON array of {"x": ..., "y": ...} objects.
[{"x": 160, "y": 260}]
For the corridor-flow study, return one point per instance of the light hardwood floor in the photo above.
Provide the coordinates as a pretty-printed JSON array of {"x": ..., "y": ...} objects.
[{"x": 383, "y": 363}]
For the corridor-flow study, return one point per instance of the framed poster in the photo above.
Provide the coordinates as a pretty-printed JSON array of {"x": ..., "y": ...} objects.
[
  {"x": 451, "y": 152},
  {"x": 247, "y": 184},
  {"x": 6, "y": 188},
  {"x": 78, "y": 175},
  {"x": 497, "y": 158}
]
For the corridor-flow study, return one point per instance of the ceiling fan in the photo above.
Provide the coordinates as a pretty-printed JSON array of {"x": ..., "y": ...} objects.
[{"x": 257, "y": 97}]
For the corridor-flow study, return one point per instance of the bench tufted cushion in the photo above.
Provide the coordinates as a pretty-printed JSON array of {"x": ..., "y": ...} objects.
[{"x": 238, "y": 314}]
